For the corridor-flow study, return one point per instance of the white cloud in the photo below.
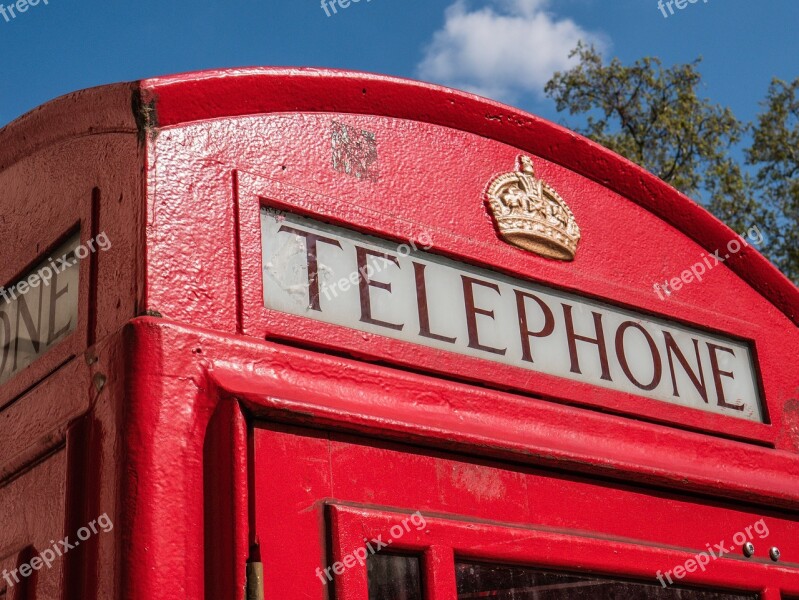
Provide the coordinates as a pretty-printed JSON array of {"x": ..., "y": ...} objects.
[{"x": 502, "y": 50}]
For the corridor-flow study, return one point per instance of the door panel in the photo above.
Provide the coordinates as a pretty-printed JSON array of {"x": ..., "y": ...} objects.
[
  {"x": 292, "y": 481},
  {"x": 332, "y": 509}
]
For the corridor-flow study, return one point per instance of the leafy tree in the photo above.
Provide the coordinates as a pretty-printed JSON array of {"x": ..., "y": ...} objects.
[
  {"x": 775, "y": 154},
  {"x": 654, "y": 116}
]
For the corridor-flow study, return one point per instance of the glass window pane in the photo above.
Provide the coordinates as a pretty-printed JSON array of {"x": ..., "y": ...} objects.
[
  {"x": 502, "y": 582},
  {"x": 394, "y": 577}
]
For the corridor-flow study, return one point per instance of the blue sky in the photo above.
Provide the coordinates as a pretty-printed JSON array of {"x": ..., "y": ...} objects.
[{"x": 503, "y": 48}]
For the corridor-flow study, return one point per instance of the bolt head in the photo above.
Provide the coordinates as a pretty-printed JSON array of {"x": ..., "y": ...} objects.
[
  {"x": 774, "y": 553},
  {"x": 749, "y": 549}
]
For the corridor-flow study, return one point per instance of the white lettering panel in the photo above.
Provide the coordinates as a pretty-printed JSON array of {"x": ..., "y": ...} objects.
[{"x": 400, "y": 291}]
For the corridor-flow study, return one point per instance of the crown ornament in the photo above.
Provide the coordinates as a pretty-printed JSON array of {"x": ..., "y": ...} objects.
[{"x": 531, "y": 215}]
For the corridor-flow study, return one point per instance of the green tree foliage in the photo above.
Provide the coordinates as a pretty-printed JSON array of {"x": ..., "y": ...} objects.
[
  {"x": 775, "y": 154},
  {"x": 654, "y": 116}
]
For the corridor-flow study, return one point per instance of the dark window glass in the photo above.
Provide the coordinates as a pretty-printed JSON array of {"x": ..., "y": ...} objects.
[
  {"x": 394, "y": 577},
  {"x": 519, "y": 583}
]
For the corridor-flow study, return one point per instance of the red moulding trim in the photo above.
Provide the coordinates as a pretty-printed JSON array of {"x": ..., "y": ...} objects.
[{"x": 298, "y": 385}]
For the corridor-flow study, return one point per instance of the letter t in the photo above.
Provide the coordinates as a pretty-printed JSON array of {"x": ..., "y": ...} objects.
[{"x": 311, "y": 241}]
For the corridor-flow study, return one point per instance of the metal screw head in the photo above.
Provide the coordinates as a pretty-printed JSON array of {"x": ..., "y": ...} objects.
[
  {"x": 749, "y": 549},
  {"x": 774, "y": 553}
]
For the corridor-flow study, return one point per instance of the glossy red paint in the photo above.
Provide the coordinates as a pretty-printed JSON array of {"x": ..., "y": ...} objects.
[{"x": 214, "y": 425}]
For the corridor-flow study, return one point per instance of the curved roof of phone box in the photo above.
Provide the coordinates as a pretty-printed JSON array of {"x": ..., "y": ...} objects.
[{"x": 160, "y": 102}]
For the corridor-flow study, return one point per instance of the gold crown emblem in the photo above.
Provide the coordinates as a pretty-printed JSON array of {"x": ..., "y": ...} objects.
[{"x": 531, "y": 215}]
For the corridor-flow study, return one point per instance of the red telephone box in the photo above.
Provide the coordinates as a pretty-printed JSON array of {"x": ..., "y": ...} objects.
[{"x": 291, "y": 333}]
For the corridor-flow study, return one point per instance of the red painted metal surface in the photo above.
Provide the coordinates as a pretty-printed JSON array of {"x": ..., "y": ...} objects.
[{"x": 215, "y": 424}]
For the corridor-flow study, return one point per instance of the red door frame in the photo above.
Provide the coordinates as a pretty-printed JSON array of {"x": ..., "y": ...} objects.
[
  {"x": 273, "y": 382},
  {"x": 237, "y": 383},
  {"x": 449, "y": 538},
  {"x": 310, "y": 487}
]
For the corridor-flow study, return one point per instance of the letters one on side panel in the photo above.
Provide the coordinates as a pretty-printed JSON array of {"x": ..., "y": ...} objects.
[
  {"x": 339, "y": 276},
  {"x": 39, "y": 310}
]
